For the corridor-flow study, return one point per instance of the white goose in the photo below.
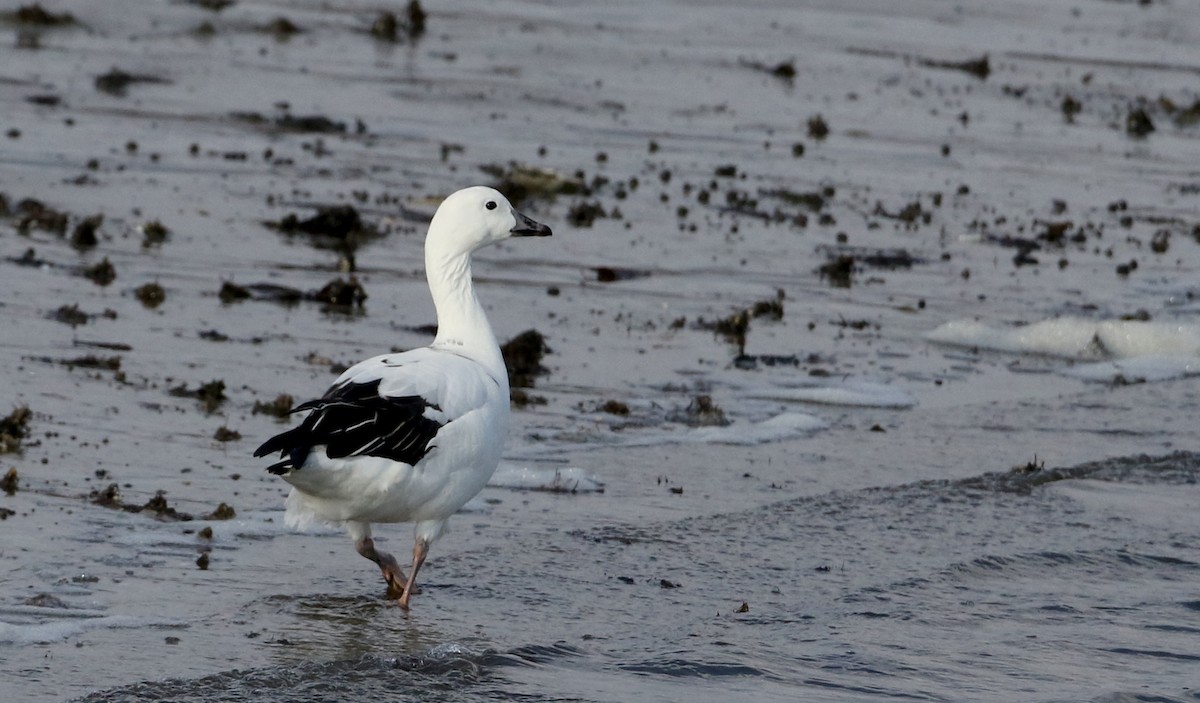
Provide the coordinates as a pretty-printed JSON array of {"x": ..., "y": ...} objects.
[{"x": 411, "y": 437}]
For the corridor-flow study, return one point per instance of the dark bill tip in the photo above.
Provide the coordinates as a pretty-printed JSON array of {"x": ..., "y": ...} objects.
[{"x": 527, "y": 227}]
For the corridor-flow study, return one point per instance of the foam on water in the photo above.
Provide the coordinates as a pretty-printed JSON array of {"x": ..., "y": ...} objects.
[
  {"x": 59, "y": 629},
  {"x": 1076, "y": 338},
  {"x": 776, "y": 429},
  {"x": 852, "y": 392},
  {"x": 563, "y": 480},
  {"x": 745, "y": 433},
  {"x": 1144, "y": 369}
]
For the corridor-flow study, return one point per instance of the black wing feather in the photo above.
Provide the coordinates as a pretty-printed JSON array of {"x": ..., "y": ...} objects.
[{"x": 353, "y": 419}]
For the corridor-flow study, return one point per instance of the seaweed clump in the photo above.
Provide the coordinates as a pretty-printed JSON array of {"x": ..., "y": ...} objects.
[
  {"x": 34, "y": 214},
  {"x": 151, "y": 295},
  {"x": 523, "y": 358},
  {"x": 37, "y": 15},
  {"x": 735, "y": 326},
  {"x": 980, "y": 68},
  {"x": 154, "y": 233},
  {"x": 14, "y": 429},
  {"x": 84, "y": 236},
  {"x": 520, "y": 183},
  {"x": 341, "y": 295},
  {"x": 110, "y": 497},
  {"x": 116, "y": 82},
  {"x": 210, "y": 394},
  {"x": 839, "y": 271},
  {"x": 223, "y": 512},
  {"x": 388, "y": 25},
  {"x": 701, "y": 412},
  {"x": 584, "y": 213},
  {"x": 224, "y": 434},
  {"x": 337, "y": 228},
  {"x": 279, "y": 408},
  {"x": 1138, "y": 123},
  {"x": 102, "y": 274}
]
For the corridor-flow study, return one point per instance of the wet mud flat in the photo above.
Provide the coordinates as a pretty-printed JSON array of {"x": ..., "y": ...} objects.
[{"x": 865, "y": 359}]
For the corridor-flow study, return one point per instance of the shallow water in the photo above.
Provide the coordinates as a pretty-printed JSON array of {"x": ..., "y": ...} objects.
[{"x": 856, "y": 532}]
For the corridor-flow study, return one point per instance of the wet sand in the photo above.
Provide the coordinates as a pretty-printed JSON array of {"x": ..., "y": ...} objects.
[{"x": 756, "y": 201}]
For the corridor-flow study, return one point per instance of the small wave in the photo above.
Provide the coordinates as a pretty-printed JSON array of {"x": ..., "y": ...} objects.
[
  {"x": 446, "y": 668},
  {"x": 1177, "y": 468},
  {"x": 532, "y": 655},
  {"x": 1156, "y": 653},
  {"x": 1106, "y": 565},
  {"x": 624, "y": 534},
  {"x": 403, "y": 678},
  {"x": 1110, "y": 562},
  {"x": 1124, "y": 697},
  {"x": 867, "y": 690},
  {"x": 688, "y": 667}
]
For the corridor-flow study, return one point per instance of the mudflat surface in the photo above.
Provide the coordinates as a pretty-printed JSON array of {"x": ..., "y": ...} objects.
[{"x": 901, "y": 250}]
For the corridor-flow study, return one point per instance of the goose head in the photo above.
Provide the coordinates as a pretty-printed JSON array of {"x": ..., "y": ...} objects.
[{"x": 475, "y": 217}]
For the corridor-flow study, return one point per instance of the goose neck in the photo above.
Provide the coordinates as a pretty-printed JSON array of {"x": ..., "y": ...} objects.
[{"x": 463, "y": 327}]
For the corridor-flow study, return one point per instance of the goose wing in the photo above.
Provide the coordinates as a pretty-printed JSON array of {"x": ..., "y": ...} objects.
[{"x": 391, "y": 406}]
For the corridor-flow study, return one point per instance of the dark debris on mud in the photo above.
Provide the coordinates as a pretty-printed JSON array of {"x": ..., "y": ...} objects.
[
  {"x": 783, "y": 70},
  {"x": 338, "y": 227},
  {"x": 88, "y": 361},
  {"x": 116, "y": 82},
  {"x": 110, "y": 497},
  {"x": 612, "y": 274},
  {"x": 979, "y": 68},
  {"x": 72, "y": 315},
  {"x": 212, "y": 5},
  {"x": 36, "y": 15},
  {"x": 338, "y": 295},
  {"x": 299, "y": 124}
]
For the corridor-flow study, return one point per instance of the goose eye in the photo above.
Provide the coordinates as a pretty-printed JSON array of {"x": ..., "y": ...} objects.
[{"x": 491, "y": 205}]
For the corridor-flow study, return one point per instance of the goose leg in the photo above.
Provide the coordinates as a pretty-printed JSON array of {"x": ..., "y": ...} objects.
[
  {"x": 420, "y": 551},
  {"x": 386, "y": 562}
]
